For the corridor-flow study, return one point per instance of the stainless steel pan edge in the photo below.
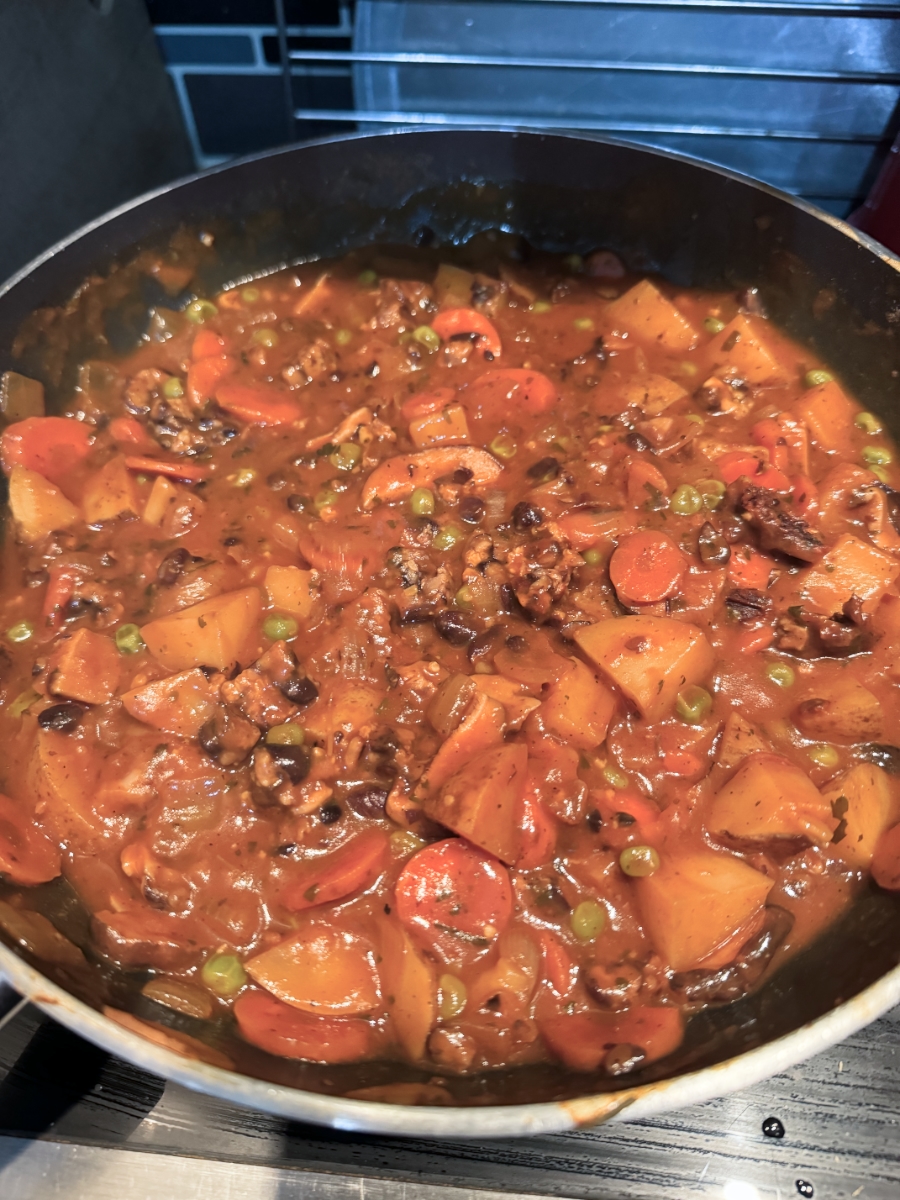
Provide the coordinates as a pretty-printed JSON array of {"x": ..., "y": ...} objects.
[{"x": 101, "y": 241}]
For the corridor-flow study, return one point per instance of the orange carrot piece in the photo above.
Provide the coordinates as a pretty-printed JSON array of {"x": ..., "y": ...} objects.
[
  {"x": 645, "y": 567},
  {"x": 501, "y": 392},
  {"x": 769, "y": 433},
  {"x": 424, "y": 403},
  {"x": 774, "y": 479},
  {"x": 750, "y": 641},
  {"x": 287, "y": 1032},
  {"x": 205, "y": 374},
  {"x": 186, "y": 472},
  {"x": 642, "y": 480},
  {"x": 455, "y": 321},
  {"x": 748, "y": 568},
  {"x": 85, "y": 667},
  {"x": 804, "y": 496},
  {"x": 26, "y": 855},
  {"x": 581, "y": 1040},
  {"x": 207, "y": 343},
  {"x": 52, "y": 446},
  {"x": 257, "y": 405},
  {"x": 60, "y": 587},
  {"x": 352, "y": 868},
  {"x": 559, "y": 970},
  {"x": 537, "y": 832},
  {"x": 126, "y": 431},
  {"x": 737, "y": 463}
]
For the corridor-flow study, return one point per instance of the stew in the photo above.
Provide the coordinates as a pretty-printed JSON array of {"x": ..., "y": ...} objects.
[{"x": 466, "y": 663}]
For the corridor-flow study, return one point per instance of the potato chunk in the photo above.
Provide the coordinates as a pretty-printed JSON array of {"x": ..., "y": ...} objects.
[
  {"x": 769, "y": 798},
  {"x": 740, "y": 345},
  {"x": 864, "y": 806},
  {"x": 646, "y": 313},
  {"x": 483, "y": 801},
  {"x": 85, "y": 667},
  {"x": 323, "y": 970},
  {"x": 844, "y": 712},
  {"x": 579, "y": 707},
  {"x": 829, "y": 415},
  {"x": 180, "y": 704},
  {"x": 209, "y": 634},
  {"x": 739, "y": 738},
  {"x": 649, "y": 658},
  {"x": 697, "y": 901},
  {"x": 37, "y": 506},
  {"x": 850, "y": 568},
  {"x": 109, "y": 494},
  {"x": 289, "y": 589}
]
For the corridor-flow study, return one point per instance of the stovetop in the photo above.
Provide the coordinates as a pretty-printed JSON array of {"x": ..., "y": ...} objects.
[{"x": 79, "y": 1124}]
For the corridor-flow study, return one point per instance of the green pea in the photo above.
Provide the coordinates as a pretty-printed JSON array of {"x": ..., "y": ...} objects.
[
  {"x": 343, "y": 337},
  {"x": 173, "y": 389},
  {"x": 574, "y": 262},
  {"x": 347, "y": 456},
  {"x": 285, "y": 735},
  {"x": 869, "y": 422},
  {"x": 781, "y": 674},
  {"x": 129, "y": 640},
  {"x": 200, "y": 311},
  {"x": 463, "y": 598},
  {"x": 686, "y": 501},
  {"x": 816, "y": 378},
  {"x": 141, "y": 479},
  {"x": 713, "y": 325},
  {"x": 244, "y": 477},
  {"x": 426, "y": 337},
  {"x": 404, "y": 843},
  {"x": 325, "y": 497},
  {"x": 639, "y": 861},
  {"x": 712, "y": 491},
  {"x": 878, "y": 456},
  {"x": 223, "y": 974},
  {"x": 540, "y": 306},
  {"x": 688, "y": 368},
  {"x": 881, "y": 473},
  {"x": 453, "y": 997},
  {"x": 250, "y": 295},
  {"x": 824, "y": 756},
  {"x": 503, "y": 447},
  {"x": 22, "y": 703},
  {"x": 20, "y": 632},
  {"x": 614, "y": 777},
  {"x": 693, "y": 703},
  {"x": 367, "y": 278},
  {"x": 447, "y": 538},
  {"x": 588, "y": 920},
  {"x": 265, "y": 337},
  {"x": 593, "y": 557},
  {"x": 422, "y": 502},
  {"x": 279, "y": 628},
  {"x": 583, "y": 323}
]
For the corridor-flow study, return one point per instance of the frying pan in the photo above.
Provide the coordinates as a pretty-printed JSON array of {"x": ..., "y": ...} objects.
[{"x": 824, "y": 283}]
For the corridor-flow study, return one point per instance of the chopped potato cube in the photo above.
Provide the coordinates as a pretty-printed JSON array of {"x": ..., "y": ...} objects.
[
  {"x": 483, "y": 801},
  {"x": 739, "y": 738},
  {"x": 85, "y": 667},
  {"x": 829, "y": 415},
  {"x": 110, "y": 493},
  {"x": 646, "y": 313},
  {"x": 651, "y": 393},
  {"x": 844, "y": 712},
  {"x": 742, "y": 346},
  {"x": 850, "y": 568},
  {"x": 697, "y": 901},
  {"x": 289, "y": 588},
  {"x": 209, "y": 634},
  {"x": 579, "y": 707},
  {"x": 38, "y": 506},
  {"x": 649, "y": 658},
  {"x": 179, "y": 704},
  {"x": 863, "y": 804},
  {"x": 770, "y": 798}
]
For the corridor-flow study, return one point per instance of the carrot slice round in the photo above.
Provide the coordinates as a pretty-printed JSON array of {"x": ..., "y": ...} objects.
[
  {"x": 454, "y": 897},
  {"x": 456, "y": 321},
  {"x": 52, "y": 446},
  {"x": 510, "y": 390},
  {"x": 205, "y": 374},
  {"x": 256, "y": 405},
  {"x": 285, "y": 1031},
  {"x": 646, "y": 567},
  {"x": 422, "y": 404}
]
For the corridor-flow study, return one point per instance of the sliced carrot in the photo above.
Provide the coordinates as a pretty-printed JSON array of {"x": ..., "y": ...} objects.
[
  {"x": 736, "y": 463},
  {"x": 582, "y": 1040},
  {"x": 208, "y": 343},
  {"x": 352, "y": 868},
  {"x": 205, "y": 374},
  {"x": 645, "y": 567},
  {"x": 559, "y": 970},
  {"x": 60, "y": 588},
  {"x": 26, "y": 855},
  {"x": 750, "y": 641},
  {"x": 454, "y": 898},
  {"x": 537, "y": 832},
  {"x": 683, "y": 763},
  {"x": 52, "y": 446},
  {"x": 257, "y": 405},
  {"x": 774, "y": 479},
  {"x": 770, "y": 434},
  {"x": 287, "y": 1032},
  {"x": 748, "y": 568},
  {"x": 187, "y": 472},
  {"x": 424, "y": 403},
  {"x": 886, "y": 863},
  {"x": 504, "y": 392},
  {"x": 456, "y": 321},
  {"x": 644, "y": 483},
  {"x": 126, "y": 431}
]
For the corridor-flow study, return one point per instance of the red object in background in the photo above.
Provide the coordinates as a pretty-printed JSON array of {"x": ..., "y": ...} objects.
[{"x": 879, "y": 216}]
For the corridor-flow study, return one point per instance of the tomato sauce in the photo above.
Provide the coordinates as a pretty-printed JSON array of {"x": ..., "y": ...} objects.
[{"x": 463, "y": 664}]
